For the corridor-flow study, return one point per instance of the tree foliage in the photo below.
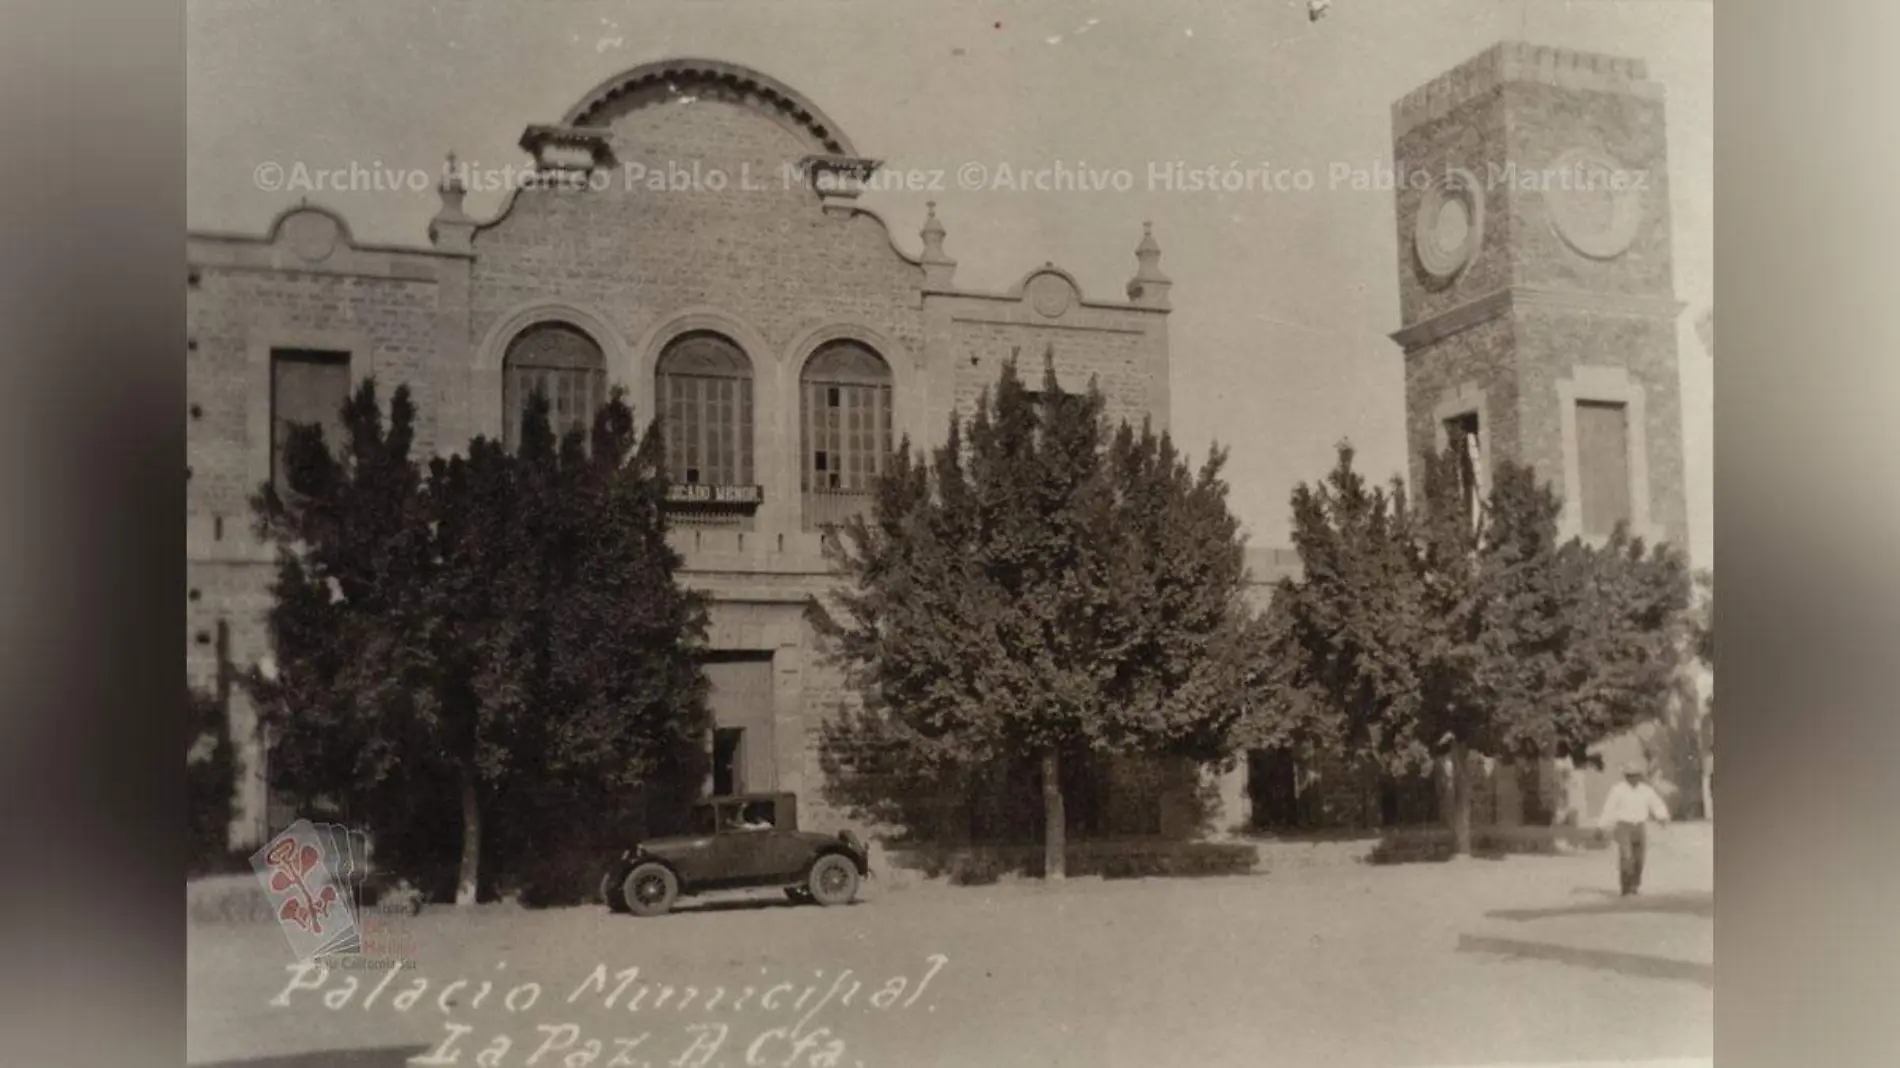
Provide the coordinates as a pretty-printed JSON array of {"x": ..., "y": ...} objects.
[
  {"x": 1702, "y": 642},
  {"x": 1702, "y": 623},
  {"x": 496, "y": 631},
  {"x": 210, "y": 778},
  {"x": 1340, "y": 667},
  {"x": 1040, "y": 586},
  {"x": 1415, "y": 633},
  {"x": 1549, "y": 648}
]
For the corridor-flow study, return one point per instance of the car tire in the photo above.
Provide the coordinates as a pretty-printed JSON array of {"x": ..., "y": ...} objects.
[
  {"x": 833, "y": 880},
  {"x": 650, "y": 889},
  {"x": 610, "y": 889}
]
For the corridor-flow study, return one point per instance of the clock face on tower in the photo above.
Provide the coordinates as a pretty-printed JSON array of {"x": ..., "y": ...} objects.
[
  {"x": 1596, "y": 204},
  {"x": 1450, "y": 226}
]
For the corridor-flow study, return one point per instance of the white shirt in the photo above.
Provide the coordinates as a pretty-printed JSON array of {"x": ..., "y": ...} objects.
[{"x": 1632, "y": 804}]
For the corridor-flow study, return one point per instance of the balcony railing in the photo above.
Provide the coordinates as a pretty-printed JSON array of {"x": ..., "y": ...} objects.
[
  {"x": 824, "y": 507},
  {"x": 695, "y": 505}
]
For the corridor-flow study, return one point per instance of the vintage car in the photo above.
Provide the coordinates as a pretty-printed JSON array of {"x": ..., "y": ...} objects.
[{"x": 741, "y": 842}]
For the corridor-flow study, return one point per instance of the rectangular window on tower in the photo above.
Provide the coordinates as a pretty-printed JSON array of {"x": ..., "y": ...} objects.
[
  {"x": 1603, "y": 466},
  {"x": 1465, "y": 448},
  {"x": 306, "y": 387}
]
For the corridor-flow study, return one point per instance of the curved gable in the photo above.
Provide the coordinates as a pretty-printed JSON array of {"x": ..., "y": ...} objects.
[{"x": 670, "y": 80}]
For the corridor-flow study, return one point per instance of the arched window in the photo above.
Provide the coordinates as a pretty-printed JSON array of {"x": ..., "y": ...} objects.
[
  {"x": 563, "y": 363},
  {"x": 845, "y": 428},
  {"x": 703, "y": 387}
]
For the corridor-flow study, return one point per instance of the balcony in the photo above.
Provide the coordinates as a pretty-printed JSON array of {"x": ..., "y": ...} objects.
[
  {"x": 697, "y": 505},
  {"x": 826, "y": 507}
]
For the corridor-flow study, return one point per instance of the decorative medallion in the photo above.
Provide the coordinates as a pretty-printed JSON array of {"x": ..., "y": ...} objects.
[
  {"x": 1596, "y": 204},
  {"x": 1050, "y": 294},
  {"x": 311, "y": 235},
  {"x": 1450, "y": 224}
]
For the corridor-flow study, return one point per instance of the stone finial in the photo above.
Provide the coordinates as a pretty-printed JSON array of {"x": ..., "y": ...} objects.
[
  {"x": 1149, "y": 288},
  {"x": 938, "y": 266},
  {"x": 452, "y": 229},
  {"x": 932, "y": 234},
  {"x": 452, "y": 175}
]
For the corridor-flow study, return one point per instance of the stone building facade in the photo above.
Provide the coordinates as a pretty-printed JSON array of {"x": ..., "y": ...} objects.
[
  {"x": 775, "y": 322},
  {"x": 1536, "y": 287},
  {"x": 1539, "y": 326},
  {"x": 1540, "y": 322}
]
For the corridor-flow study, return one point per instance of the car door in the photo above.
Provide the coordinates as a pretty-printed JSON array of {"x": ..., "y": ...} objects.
[
  {"x": 784, "y": 857},
  {"x": 751, "y": 853},
  {"x": 727, "y": 860},
  {"x": 696, "y": 862}
]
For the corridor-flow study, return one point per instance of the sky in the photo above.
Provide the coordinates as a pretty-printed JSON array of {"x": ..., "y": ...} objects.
[{"x": 1283, "y": 299}]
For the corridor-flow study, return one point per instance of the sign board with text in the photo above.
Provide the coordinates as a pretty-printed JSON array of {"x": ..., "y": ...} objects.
[{"x": 696, "y": 493}]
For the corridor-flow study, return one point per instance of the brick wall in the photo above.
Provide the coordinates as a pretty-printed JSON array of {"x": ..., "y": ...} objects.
[
  {"x": 1531, "y": 322},
  {"x": 304, "y": 284},
  {"x": 1551, "y": 344},
  {"x": 1544, "y": 123},
  {"x": 1472, "y": 136},
  {"x": 1117, "y": 348},
  {"x": 236, "y": 313},
  {"x": 1512, "y": 110},
  {"x": 765, "y": 260},
  {"x": 1483, "y": 358},
  {"x": 761, "y": 251}
]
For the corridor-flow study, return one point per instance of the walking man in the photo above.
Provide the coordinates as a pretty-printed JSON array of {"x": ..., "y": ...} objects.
[{"x": 1626, "y": 813}]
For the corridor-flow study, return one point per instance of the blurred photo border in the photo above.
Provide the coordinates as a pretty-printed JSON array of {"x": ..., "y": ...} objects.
[{"x": 92, "y": 279}]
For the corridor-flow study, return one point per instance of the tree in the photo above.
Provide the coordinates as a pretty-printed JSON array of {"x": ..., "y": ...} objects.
[
  {"x": 1434, "y": 633},
  {"x": 209, "y": 779},
  {"x": 1547, "y": 649},
  {"x": 1702, "y": 624},
  {"x": 503, "y": 626},
  {"x": 1039, "y": 587},
  {"x": 1702, "y": 643},
  {"x": 1338, "y": 666}
]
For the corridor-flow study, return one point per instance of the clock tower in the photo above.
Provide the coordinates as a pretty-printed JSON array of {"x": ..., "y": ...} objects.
[{"x": 1537, "y": 302}]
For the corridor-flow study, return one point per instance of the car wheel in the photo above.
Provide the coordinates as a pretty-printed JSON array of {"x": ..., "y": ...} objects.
[
  {"x": 610, "y": 891},
  {"x": 798, "y": 894},
  {"x": 650, "y": 889},
  {"x": 834, "y": 880}
]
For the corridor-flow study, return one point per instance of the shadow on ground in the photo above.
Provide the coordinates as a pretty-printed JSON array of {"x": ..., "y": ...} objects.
[
  {"x": 747, "y": 904},
  {"x": 742, "y": 904},
  {"x": 390, "y": 1057},
  {"x": 1412, "y": 845},
  {"x": 1636, "y": 964},
  {"x": 1110, "y": 858},
  {"x": 1693, "y": 903}
]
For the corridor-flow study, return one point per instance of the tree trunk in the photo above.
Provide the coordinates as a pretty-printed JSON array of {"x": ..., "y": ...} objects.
[
  {"x": 471, "y": 842},
  {"x": 1054, "y": 819},
  {"x": 1460, "y": 800}
]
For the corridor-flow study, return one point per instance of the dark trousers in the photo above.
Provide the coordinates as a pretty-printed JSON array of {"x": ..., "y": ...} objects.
[{"x": 1629, "y": 854}]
